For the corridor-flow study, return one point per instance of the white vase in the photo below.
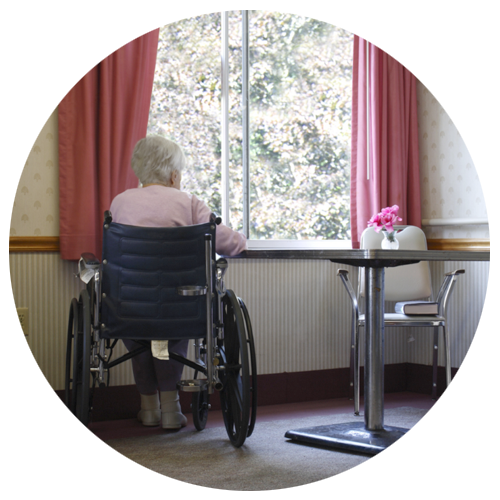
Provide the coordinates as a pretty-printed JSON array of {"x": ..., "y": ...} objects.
[{"x": 390, "y": 242}]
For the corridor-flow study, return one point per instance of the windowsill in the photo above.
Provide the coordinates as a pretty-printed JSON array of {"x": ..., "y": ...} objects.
[{"x": 297, "y": 244}]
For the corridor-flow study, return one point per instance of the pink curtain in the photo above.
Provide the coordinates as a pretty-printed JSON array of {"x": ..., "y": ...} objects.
[
  {"x": 100, "y": 121},
  {"x": 390, "y": 135}
]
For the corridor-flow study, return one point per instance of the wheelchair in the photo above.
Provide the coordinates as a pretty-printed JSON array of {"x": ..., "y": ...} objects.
[{"x": 157, "y": 284}]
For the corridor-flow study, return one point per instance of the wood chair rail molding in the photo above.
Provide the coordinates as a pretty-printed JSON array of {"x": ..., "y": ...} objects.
[
  {"x": 459, "y": 244},
  {"x": 25, "y": 244}
]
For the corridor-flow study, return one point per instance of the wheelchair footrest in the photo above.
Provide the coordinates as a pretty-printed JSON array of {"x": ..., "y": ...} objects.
[{"x": 192, "y": 385}]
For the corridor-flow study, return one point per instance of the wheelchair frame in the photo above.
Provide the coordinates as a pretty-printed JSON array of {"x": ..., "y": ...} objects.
[{"x": 225, "y": 355}]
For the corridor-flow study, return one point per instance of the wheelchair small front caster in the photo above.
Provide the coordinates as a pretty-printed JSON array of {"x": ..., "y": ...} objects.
[{"x": 200, "y": 407}]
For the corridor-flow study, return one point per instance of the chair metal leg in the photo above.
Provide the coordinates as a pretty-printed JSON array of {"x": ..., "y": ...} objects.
[
  {"x": 447, "y": 355},
  {"x": 355, "y": 349},
  {"x": 351, "y": 364},
  {"x": 435, "y": 353}
]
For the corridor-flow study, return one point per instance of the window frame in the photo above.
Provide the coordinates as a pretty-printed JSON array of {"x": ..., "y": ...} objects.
[{"x": 256, "y": 244}]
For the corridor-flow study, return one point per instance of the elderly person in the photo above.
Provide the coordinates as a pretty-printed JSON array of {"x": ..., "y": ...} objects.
[{"x": 158, "y": 163}]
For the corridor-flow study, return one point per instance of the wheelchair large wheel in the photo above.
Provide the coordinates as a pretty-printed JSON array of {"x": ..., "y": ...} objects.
[
  {"x": 77, "y": 383},
  {"x": 236, "y": 394},
  {"x": 253, "y": 366}
]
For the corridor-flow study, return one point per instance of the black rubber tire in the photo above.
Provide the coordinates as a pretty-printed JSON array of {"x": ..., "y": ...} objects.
[
  {"x": 235, "y": 376},
  {"x": 253, "y": 366},
  {"x": 77, "y": 383},
  {"x": 68, "y": 379}
]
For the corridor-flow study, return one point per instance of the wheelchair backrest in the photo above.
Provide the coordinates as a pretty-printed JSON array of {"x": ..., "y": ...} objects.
[{"x": 141, "y": 270}]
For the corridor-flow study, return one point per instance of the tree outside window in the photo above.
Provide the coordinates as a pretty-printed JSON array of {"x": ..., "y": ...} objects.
[{"x": 300, "y": 83}]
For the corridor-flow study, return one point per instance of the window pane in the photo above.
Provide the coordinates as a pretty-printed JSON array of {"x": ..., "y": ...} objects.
[
  {"x": 185, "y": 104},
  {"x": 300, "y": 115},
  {"x": 300, "y": 119},
  {"x": 235, "y": 117}
]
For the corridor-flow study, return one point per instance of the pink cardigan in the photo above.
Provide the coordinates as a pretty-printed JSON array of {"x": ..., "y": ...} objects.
[{"x": 159, "y": 206}]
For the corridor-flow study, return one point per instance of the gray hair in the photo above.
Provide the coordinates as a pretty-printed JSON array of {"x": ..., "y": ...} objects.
[{"x": 155, "y": 159}]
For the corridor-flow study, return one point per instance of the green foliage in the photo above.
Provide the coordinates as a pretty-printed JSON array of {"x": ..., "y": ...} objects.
[{"x": 300, "y": 112}]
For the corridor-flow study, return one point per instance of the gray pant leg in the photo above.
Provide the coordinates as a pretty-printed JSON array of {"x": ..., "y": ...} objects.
[{"x": 152, "y": 374}]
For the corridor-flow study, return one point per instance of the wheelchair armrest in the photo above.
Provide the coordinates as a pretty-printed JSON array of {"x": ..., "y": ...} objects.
[
  {"x": 88, "y": 266},
  {"x": 221, "y": 263},
  {"x": 90, "y": 260}
]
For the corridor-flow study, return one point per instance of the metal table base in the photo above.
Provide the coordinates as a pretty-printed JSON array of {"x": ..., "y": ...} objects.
[
  {"x": 370, "y": 437},
  {"x": 350, "y": 436}
]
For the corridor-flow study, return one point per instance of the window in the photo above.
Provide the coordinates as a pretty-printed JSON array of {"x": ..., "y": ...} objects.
[{"x": 285, "y": 156}]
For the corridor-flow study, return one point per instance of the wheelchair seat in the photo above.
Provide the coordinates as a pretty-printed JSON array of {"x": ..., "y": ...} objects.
[{"x": 157, "y": 284}]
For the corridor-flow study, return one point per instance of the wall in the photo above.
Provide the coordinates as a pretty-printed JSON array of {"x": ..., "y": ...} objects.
[
  {"x": 299, "y": 309},
  {"x": 453, "y": 199},
  {"x": 36, "y": 204},
  {"x": 450, "y": 186}
]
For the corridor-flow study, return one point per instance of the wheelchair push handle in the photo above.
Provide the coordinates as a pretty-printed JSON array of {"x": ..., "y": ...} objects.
[{"x": 215, "y": 218}]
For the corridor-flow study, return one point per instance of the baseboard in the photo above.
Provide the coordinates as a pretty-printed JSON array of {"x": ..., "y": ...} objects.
[
  {"x": 122, "y": 402},
  {"x": 419, "y": 378}
]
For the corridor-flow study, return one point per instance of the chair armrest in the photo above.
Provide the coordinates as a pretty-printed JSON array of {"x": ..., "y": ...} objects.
[
  {"x": 456, "y": 272},
  {"x": 344, "y": 276},
  {"x": 446, "y": 288}
]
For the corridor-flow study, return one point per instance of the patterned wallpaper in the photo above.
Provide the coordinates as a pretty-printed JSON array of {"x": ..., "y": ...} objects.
[
  {"x": 450, "y": 185},
  {"x": 36, "y": 204}
]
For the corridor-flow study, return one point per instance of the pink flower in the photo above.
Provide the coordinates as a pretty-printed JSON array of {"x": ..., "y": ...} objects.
[
  {"x": 390, "y": 210},
  {"x": 376, "y": 222},
  {"x": 385, "y": 219}
]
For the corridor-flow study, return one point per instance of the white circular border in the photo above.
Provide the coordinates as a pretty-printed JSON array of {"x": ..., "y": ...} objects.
[{"x": 48, "y": 46}]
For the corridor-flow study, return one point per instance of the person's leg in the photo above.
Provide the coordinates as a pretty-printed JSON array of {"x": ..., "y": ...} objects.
[
  {"x": 168, "y": 373},
  {"x": 145, "y": 378}
]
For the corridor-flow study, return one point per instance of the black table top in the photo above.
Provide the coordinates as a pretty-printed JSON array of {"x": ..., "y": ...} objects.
[{"x": 368, "y": 258}]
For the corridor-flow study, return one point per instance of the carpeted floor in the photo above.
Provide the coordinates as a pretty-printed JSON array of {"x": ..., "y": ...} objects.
[{"x": 267, "y": 460}]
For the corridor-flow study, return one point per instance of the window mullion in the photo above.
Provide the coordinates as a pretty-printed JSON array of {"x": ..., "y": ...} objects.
[
  {"x": 245, "y": 123},
  {"x": 224, "y": 118}
]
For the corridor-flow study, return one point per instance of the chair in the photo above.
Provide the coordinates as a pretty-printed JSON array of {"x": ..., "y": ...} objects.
[
  {"x": 156, "y": 285},
  {"x": 404, "y": 283}
]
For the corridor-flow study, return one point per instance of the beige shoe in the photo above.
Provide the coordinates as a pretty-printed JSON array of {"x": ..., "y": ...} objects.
[
  {"x": 173, "y": 420},
  {"x": 150, "y": 414},
  {"x": 149, "y": 418},
  {"x": 171, "y": 415}
]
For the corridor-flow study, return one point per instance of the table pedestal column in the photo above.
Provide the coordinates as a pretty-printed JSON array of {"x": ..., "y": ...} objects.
[
  {"x": 370, "y": 437},
  {"x": 374, "y": 349}
]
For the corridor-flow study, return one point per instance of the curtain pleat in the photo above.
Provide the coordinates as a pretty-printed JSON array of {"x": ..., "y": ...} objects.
[
  {"x": 100, "y": 121},
  {"x": 384, "y": 124}
]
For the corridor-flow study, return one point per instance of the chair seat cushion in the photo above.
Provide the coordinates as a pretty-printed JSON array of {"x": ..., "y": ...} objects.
[{"x": 394, "y": 319}]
